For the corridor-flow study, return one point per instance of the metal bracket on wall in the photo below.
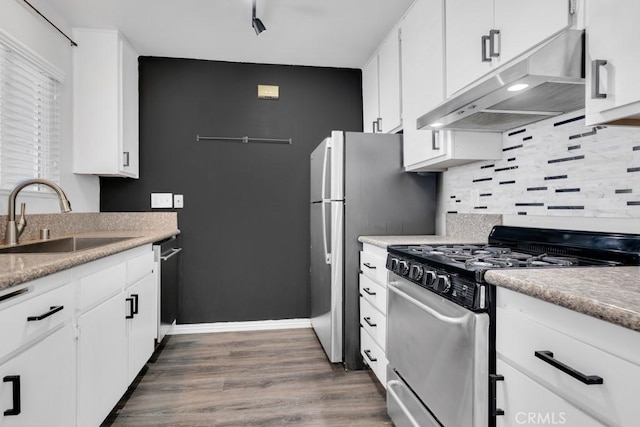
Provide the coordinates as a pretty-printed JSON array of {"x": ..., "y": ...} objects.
[{"x": 245, "y": 139}]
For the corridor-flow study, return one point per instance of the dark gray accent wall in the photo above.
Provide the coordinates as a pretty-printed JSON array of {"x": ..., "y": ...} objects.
[{"x": 245, "y": 221}]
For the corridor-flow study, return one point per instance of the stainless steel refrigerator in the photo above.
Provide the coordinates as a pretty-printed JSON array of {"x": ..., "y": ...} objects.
[{"x": 358, "y": 187}]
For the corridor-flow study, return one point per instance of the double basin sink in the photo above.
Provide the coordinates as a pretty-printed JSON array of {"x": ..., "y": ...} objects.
[{"x": 66, "y": 244}]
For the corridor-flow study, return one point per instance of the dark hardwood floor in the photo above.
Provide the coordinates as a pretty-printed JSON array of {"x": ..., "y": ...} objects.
[{"x": 261, "y": 378}]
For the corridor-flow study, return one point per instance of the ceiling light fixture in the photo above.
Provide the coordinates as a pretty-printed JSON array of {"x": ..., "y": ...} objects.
[{"x": 256, "y": 23}]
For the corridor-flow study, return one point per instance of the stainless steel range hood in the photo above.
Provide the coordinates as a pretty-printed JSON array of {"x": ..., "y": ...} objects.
[{"x": 554, "y": 74}]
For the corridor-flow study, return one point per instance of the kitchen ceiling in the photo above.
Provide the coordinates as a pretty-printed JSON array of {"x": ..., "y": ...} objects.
[{"x": 335, "y": 33}]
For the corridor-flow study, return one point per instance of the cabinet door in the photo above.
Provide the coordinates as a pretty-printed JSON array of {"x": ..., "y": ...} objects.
[
  {"x": 105, "y": 104},
  {"x": 389, "y": 83},
  {"x": 142, "y": 324},
  {"x": 525, "y": 402},
  {"x": 466, "y": 21},
  {"x": 371, "y": 110},
  {"x": 422, "y": 75},
  {"x": 129, "y": 80},
  {"x": 524, "y": 24},
  {"x": 102, "y": 360},
  {"x": 47, "y": 383},
  {"x": 612, "y": 36}
]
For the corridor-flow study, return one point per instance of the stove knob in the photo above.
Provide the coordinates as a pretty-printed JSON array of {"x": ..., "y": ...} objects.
[
  {"x": 416, "y": 272},
  {"x": 392, "y": 263},
  {"x": 443, "y": 283},
  {"x": 403, "y": 268},
  {"x": 430, "y": 278}
]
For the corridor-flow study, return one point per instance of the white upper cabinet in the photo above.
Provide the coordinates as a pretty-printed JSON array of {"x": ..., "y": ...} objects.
[
  {"x": 612, "y": 62},
  {"x": 422, "y": 76},
  {"x": 484, "y": 34},
  {"x": 389, "y": 83},
  {"x": 105, "y": 104},
  {"x": 466, "y": 23},
  {"x": 370, "y": 98},
  {"x": 381, "y": 88}
]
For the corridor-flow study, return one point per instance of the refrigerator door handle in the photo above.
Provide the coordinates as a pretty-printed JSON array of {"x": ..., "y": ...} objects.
[
  {"x": 327, "y": 254},
  {"x": 323, "y": 190},
  {"x": 325, "y": 202}
]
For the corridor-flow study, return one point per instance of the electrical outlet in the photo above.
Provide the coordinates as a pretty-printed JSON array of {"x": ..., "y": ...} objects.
[
  {"x": 178, "y": 201},
  {"x": 161, "y": 200}
]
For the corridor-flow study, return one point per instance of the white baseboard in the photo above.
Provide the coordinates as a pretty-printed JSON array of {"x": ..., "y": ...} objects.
[{"x": 261, "y": 325}]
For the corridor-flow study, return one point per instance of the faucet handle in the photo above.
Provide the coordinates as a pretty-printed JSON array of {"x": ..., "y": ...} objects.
[{"x": 22, "y": 220}]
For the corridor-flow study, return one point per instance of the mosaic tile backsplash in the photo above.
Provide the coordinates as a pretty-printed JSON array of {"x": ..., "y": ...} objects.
[{"x": 556, "y": 167}]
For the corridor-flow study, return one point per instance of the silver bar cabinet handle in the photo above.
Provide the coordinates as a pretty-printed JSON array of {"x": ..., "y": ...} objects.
[
  {"x": 595, "y": 78},
  {"x": 435, "y": 140},
  {"x": 125, "y": 156},
  {"x": 485, "y": 57},
  {"x": 494, "y": 46}
]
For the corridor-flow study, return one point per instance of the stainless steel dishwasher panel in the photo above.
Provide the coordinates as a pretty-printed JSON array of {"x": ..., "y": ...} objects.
[
  {"x": 441, "y": 350},
  {"x": 168, "y": 264}
]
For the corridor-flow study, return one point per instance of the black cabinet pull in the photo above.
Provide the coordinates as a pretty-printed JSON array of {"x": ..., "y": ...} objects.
[
  {"x": 130, "y": 301},
  {"x": 52, "y": 310},
  {"x": 369, "y": 356},
  {"x": 368, "y": 320},
  {"x": 547, "y": 356},
  {"x": 135, "y": 303},
  {"x": 368, "y": 291},
  {"x": 366, "y": 264},
  {"x": 15, "y": 379},
  {"x": 493, "y": 379}
]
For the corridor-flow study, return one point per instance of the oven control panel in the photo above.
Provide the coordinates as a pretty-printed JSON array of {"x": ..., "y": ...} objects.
[{"x": 461, "y": 290}]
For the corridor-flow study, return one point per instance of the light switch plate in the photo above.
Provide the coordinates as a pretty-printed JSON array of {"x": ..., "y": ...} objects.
[
  {"x": 161, "y": 200},
  {"x": 178, "y": 201}
]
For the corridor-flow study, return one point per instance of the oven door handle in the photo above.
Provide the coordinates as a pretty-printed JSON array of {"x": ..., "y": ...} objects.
[{"x": 424, "y": 307}]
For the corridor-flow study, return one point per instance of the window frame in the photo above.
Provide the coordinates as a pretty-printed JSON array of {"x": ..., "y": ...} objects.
[{"x": 38, "y": 65}]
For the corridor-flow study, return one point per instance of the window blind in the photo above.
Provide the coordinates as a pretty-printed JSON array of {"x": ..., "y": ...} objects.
[{"x": 29, "y": 121}]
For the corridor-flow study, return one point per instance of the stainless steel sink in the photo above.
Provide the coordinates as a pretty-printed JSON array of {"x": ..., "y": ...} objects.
[{"x": 67, "y": 244}]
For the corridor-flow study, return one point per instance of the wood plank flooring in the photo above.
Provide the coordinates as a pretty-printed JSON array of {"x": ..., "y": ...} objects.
[{"x": 261, "y": 378}]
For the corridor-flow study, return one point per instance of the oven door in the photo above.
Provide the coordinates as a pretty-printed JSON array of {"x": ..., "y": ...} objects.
[{"x": 441, "y": 350}]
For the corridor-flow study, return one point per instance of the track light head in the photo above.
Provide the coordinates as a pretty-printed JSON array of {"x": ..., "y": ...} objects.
[{"x": 256, "y": 23}]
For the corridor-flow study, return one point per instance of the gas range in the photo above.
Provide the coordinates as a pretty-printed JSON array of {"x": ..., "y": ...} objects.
[{"x": 456, "y": 272}]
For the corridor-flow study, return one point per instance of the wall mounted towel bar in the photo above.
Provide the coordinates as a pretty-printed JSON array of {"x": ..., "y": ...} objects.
[{"x": 244, "y": 139}]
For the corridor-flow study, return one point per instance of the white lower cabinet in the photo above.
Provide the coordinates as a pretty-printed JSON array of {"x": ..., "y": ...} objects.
[
  {"x": 563, "y": 367},
  {"x": 102, "y": 360},
  {"x": 526, "y": 402},
  {"x": 141, "y": 323},
  {"x": 72, "y": 342},
  {"x": 374, "y": 356},
  {"x": 373, "y": 310},
  {"x": 38, "y": 385}
]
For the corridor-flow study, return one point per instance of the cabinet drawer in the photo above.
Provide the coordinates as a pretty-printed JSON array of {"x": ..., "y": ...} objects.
[
  {"x": 374, "y": 293},
  {"x": 374, "y": 322},
  {"x": 101, "y": 285},
  {"x": 374, "y": 267},
  {"x": 613, "y": 402},
  {"x": 16, "y": 329},
  {"x": 140, "y": 266},
  {"x": 374, "y": 356},
  {"x": 525, "y": 402}
]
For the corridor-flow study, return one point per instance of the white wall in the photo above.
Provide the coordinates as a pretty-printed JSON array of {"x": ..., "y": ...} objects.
[
  {"x": 555, "y": 173},
  {"x": 25, "y": 26}
]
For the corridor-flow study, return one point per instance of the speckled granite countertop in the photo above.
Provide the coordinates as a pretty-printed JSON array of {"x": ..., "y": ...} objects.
[
  {"x": 143, "y": 227},
  {"x": 607, "y": 293},
  {"x": 384, "y": 241},
  {"x": 460, "y": 229}
]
